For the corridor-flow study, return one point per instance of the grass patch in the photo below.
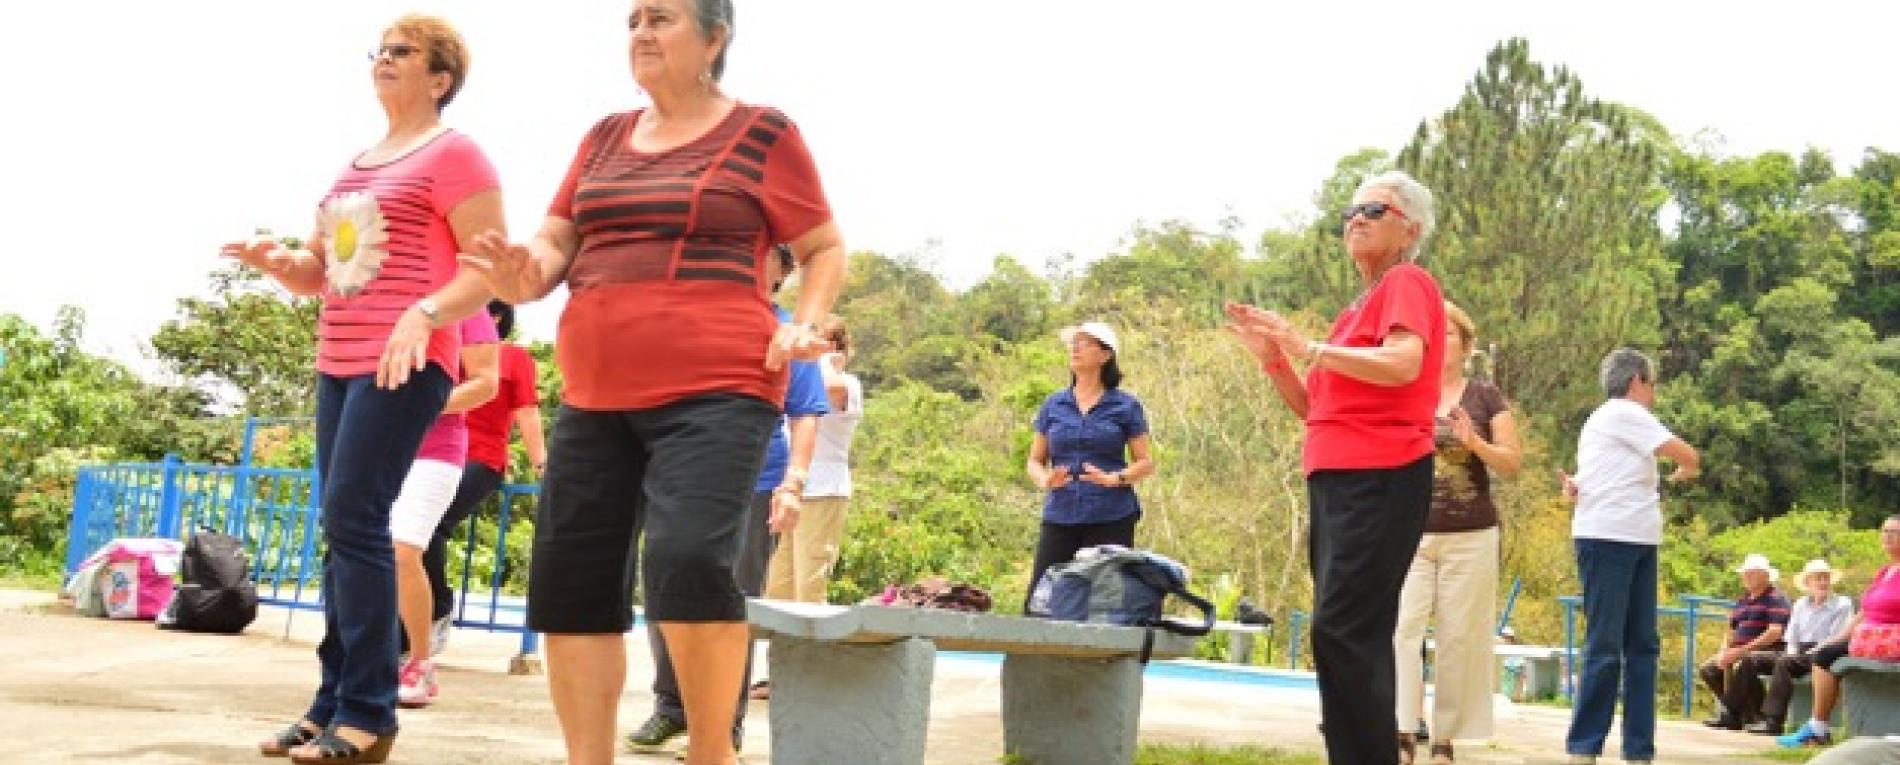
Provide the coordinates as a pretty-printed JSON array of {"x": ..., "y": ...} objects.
[
  {"x": 1203, "y": 754},
  {"x": 1779, "y": 754}
]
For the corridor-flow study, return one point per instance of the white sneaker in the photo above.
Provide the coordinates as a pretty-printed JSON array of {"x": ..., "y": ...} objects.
[
  {"x": 439, "y": 634},
  {"x": 415, "y": 686}
]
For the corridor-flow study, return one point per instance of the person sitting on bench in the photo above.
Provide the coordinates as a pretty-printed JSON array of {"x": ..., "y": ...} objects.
[
  {"x": 1756, "y": 624},
  {"x": 1817, "y": 617}
]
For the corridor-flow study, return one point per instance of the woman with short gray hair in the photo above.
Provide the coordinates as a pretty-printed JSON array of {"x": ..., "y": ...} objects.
[
  {"x": 1368, "y": 398},
  {"x": 1618, "y": 526}
]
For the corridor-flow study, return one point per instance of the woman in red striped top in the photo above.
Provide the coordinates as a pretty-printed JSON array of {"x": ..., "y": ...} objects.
[
  {"x": 674, "y": 367},
  {"x": 383, "y": 258}
]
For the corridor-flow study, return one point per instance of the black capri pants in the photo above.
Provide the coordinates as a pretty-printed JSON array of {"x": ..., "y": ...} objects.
[{"x": 682, "y": 474}]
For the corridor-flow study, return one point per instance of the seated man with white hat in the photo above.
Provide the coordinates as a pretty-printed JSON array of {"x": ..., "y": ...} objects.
[
  {"x": 1816, "y": 618},
  {"x": 1754, "y": 639}
]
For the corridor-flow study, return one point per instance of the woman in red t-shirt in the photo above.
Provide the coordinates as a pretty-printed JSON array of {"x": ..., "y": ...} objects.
[
  {"x": 674, "y": 370},
  {"x": 383, "y": 259},
  {"x": 1368, "y": 400}
]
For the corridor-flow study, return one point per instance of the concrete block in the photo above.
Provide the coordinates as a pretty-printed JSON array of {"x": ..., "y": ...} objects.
[
  {"x": 835, "y": 703},
  {"x": 1870, "y": 692},
  {"x": 1067, "y": 711}
]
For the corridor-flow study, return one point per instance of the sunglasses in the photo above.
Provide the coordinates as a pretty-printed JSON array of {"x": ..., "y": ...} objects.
[
  {"x": 395, "y": 51},
  {"x": 1372, "y": 211}
]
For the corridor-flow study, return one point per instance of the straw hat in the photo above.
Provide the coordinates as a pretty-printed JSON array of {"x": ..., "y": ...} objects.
[
  {"x": 1816, "y": 566},
  {"x": 1101, "y": 332}
]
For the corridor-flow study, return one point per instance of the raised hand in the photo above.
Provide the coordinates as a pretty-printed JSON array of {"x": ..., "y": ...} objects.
[{"x": 510, "y": 270}]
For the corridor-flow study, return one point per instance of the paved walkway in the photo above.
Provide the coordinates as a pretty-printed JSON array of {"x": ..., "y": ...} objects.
[{"x": 79, "y": 690}]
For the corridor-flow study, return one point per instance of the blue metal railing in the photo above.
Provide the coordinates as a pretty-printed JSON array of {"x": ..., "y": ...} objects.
[
  {"x": 1691, "y": 615},
  {"x": 274, "y": 511}
]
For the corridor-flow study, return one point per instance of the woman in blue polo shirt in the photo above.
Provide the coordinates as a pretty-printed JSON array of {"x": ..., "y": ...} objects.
[{"x": 1091, "y": 448}]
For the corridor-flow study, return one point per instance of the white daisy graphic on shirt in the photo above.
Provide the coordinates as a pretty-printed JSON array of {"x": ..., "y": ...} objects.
[{"x": 354, "y": 238}]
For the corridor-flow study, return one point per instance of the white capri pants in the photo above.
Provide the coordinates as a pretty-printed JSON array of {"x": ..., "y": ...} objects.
[{"x": 426, "y": 494}]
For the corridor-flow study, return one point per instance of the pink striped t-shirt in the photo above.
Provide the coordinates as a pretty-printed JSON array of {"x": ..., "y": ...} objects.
[
  {"x": 407, "y": 210},
  {"x": 447, "y": 439}
]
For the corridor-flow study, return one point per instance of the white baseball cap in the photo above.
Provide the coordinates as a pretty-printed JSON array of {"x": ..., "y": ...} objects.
[{"x": 1101, "y": 332}]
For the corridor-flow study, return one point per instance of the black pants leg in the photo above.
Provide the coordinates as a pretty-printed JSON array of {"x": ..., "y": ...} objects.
[
  {"x": 479, "y": 481},
  {"x": 755, "y": 555},
  {"x": 1366, "y": 525},
  {"x": 1059, "y": 543},
  {"x": 1781, "y": 686}
]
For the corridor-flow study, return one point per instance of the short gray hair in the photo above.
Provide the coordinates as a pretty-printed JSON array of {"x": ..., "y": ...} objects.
[
  {"x": 1414, "y": 200},
  {"x": 1623, "y": 366},
  {"x": 710, "y": 15}
]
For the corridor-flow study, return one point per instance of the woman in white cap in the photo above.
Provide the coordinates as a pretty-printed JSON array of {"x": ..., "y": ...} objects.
[
  {"x": 1090, "y": 450},
  {"x": 1816, "y": 618}
]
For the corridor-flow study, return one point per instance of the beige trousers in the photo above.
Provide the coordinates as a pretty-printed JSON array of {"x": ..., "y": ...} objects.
[
  {"x": 801, "y": 566},
  {"x": 1454, "y": 578}
]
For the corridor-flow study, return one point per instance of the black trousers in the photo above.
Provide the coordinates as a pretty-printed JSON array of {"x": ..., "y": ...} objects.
[
  {"x": 1740, "y": 687},
  {"x": 1059, "y": 543},
  {"x": 1788, "y": 668},
  {"x": 1366, "y": 525},
  {"x": 479, "y": 481}
]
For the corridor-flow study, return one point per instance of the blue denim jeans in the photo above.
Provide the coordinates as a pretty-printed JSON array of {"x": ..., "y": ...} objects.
[
  {"x": 366, "y": 440},
  {"x": 1620, "y": 647}
]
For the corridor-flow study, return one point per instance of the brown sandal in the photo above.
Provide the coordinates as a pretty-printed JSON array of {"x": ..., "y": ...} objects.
[
  {"x": 1441, "y": 753},
  {"x": 287, "y": 739},
  {"x": 1408, "y": 748}
]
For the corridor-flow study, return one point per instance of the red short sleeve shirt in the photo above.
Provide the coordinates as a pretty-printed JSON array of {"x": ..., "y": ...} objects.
[
  {"x": 667, "y": 292},
  {"x": 1352, "y": 424}
]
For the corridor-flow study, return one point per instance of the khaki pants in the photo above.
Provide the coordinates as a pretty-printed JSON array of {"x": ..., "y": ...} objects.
[
  {"x": 1454, "y": 578},
  {"x": 801, "y": 566}
]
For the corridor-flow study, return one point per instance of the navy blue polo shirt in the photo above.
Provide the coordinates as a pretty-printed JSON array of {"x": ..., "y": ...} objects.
[{"x": 1099, "y": 438}]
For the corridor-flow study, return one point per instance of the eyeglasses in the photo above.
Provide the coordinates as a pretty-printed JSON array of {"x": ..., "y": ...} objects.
[
  {"x": 1890, "y": 532},
  {"x": 1372, "y": 211},
  {"x": 395, "y": 51}
]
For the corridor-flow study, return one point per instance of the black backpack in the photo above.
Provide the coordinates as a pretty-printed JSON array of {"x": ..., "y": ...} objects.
[{"x": 216, "y": 593}]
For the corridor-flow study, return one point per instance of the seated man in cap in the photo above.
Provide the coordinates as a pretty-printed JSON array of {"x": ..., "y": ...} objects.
[
  {"x": 1816, "y": 618},
  {"x": 1754, "y": 639}
]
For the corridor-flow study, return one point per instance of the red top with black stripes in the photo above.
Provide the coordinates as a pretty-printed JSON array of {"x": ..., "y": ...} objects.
[{"x": 667, "y": 292}]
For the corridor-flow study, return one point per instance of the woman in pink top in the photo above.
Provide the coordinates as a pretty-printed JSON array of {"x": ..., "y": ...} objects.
[
  {"x": 425, "y": 497},
  {"x": 383, "y": 258},
  {"x": 1874, "y": 633}
]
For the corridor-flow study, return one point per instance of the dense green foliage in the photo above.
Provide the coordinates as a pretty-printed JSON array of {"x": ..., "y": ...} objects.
[{"x": 1768, "y": 286}]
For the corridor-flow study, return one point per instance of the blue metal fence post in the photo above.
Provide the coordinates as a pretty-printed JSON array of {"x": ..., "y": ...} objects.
[
  {"x": 1293, "y": 639},
  {"x": 1570, "y": 646},
  {"x": 170, "y": 499},
  {"x": 81, "y": 524}
]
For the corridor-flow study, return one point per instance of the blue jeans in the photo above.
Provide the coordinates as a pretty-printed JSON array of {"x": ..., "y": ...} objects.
[
  {"x": 366, "y": 440},
  {"x": 1620, "y": 648}
]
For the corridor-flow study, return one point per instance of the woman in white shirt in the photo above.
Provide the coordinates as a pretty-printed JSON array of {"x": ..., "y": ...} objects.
[{"x": 805, "y": 555}]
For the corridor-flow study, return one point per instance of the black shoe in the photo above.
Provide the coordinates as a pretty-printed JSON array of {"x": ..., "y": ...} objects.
[
  {"x": 654, "y": 734},
  {"x": 1723, "y": 723},
  {"x": 1767, "y": 727}
]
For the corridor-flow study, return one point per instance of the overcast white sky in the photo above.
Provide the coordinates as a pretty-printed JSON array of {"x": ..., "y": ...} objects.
[{"x": 140, "y": 135}]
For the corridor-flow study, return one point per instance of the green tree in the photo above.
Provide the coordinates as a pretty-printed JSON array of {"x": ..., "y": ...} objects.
[
  {"x": 1547, "y": 202},
  {"x": 249, "y": 337}
]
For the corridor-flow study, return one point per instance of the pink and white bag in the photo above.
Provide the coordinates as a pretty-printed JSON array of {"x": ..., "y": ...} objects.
[{"x": 135, "y": 575}]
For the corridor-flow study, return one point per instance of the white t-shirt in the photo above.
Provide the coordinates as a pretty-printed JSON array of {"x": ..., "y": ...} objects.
[
  {"x": 830, "y": 474},
  {"x": 1616, "y": 475}
]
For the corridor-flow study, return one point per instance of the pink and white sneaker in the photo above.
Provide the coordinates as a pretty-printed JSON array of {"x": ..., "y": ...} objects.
[{"x": 416, "y": 686}]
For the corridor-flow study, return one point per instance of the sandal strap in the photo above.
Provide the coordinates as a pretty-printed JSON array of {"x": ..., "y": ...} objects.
[
  {"x": 295, "y": 735},
  {"x": 332, "y": 746}
]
